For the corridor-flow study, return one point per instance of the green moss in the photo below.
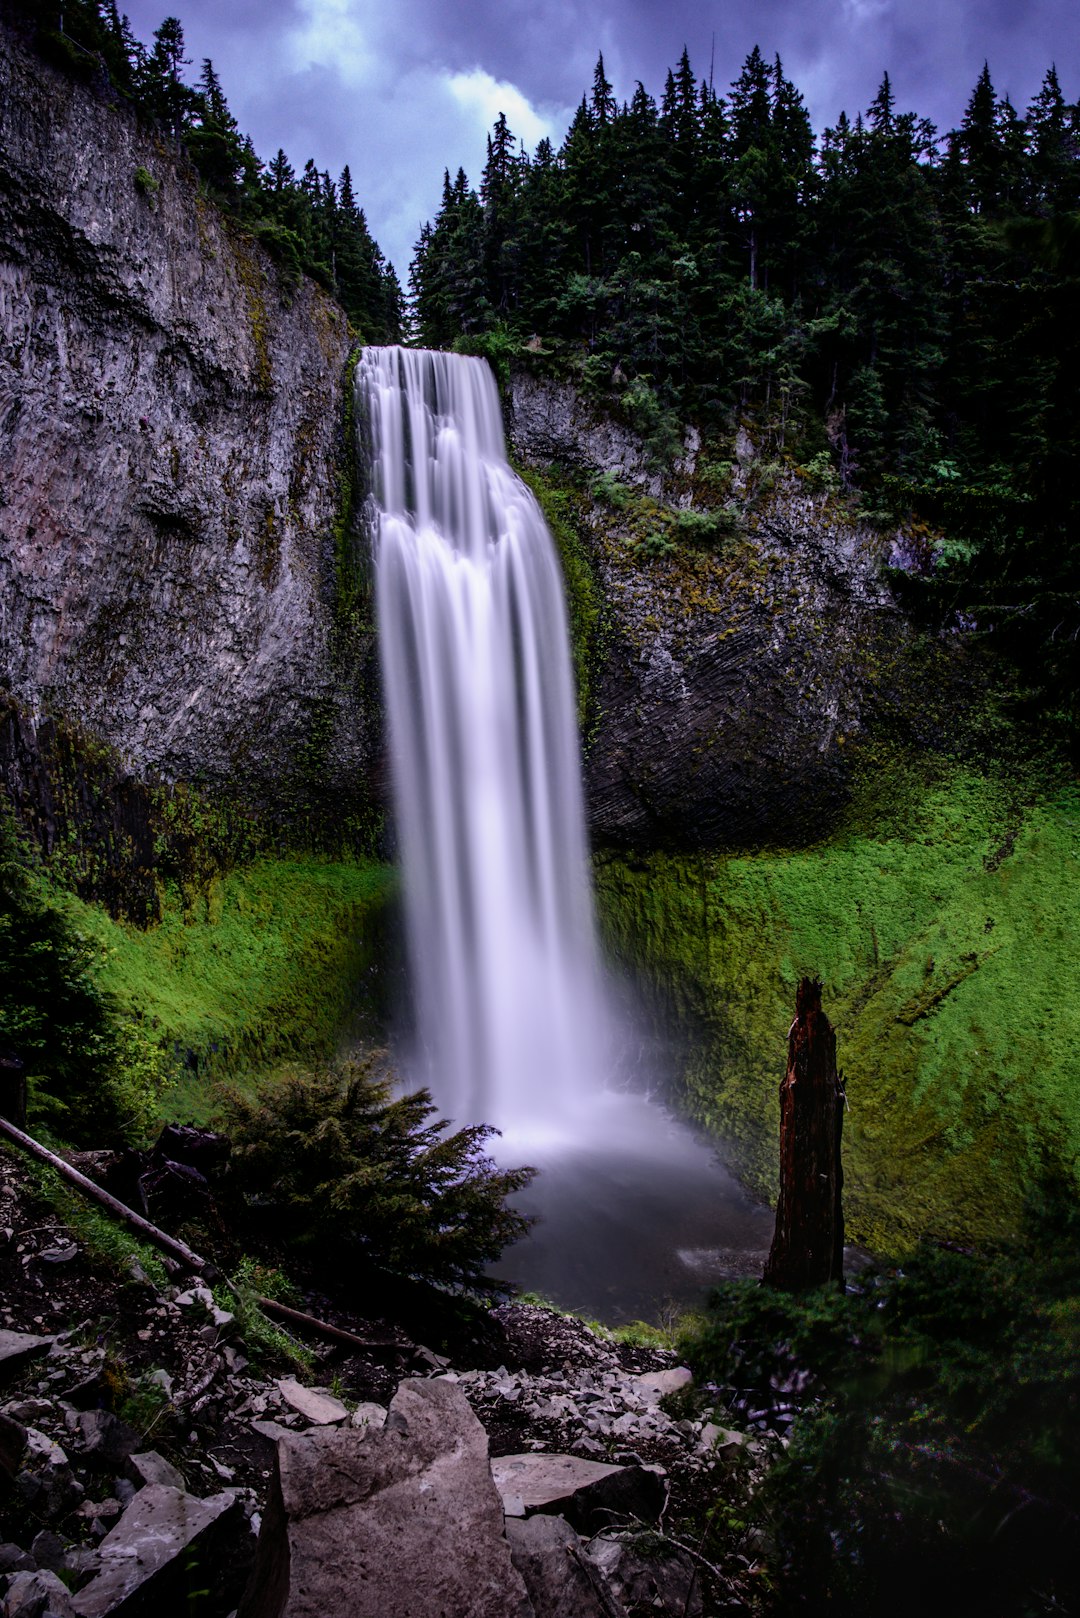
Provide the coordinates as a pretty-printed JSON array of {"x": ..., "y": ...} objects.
[
  {"x": 353, "y": 581},
  {"x": 584, "y": 599},
  {"x": 265, "y": 963},
  {"x": 252, "y": 278},
  {"x": 948, "y": 940}
]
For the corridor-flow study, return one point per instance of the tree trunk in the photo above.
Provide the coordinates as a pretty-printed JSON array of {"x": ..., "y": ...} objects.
[{"x": 808, "y": 1243}]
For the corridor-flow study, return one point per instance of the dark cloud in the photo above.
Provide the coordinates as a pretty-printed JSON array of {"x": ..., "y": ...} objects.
[{"x": 401, "y": 92}]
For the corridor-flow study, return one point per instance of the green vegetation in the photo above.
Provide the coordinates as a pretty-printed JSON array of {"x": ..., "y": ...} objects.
[
  {"x": 263, "y": 964},
  {"x": 339, "y": 1168},
  {"x": 109, "y": 1246},
  {"x": 947, "y": 933},
  {"x": 91, "y": 1072},
  {"x": 561, "y": 505},
  {"x": 937, "y": 1449},
  {"x": 146, "y": 184},
  {"x": 890, "y": 306},
  {"x": 312, "y": 225}
]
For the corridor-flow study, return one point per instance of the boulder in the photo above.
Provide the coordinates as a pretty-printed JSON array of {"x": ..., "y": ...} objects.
[
  {"x": 368, "y": 1414},
  {"x": 159, "y": 1553},
  {"x": 387, "y": 1524},
  {"x": 35, "y": 1595},
  {"x": 561, "y": 1581},
  {"x": 590, "y": 1494}
]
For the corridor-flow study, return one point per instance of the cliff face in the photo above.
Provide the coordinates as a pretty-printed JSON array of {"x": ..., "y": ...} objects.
[
  {"x": 179, "y": 576},
  {"x": 174, "y": 470},
  {"x": 736, "y": 678}
]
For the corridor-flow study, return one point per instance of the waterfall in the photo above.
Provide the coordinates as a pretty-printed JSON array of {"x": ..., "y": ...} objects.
[{"x": 485, "y": 762}]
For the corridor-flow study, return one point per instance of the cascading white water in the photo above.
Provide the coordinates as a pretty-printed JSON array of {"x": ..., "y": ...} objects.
[{"x": 486, "y": 769}]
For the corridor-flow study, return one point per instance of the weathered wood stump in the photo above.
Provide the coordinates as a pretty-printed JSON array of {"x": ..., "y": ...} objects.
[{"x": 808, "y": 1242}]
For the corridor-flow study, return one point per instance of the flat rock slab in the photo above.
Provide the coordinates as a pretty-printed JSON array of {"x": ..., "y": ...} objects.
[
  {"x": 540, "y": 1482},
  {"x": 660, "y": 1383},
  {"x": 16, "y": 1346},
  {"x": 315, "y": 1404},
  {"x": 150, "y": 1467},
  {"x": 590, "y": 1494},
  {"x": 145, "y": 1558},
  {"x": 399, "y": 1523}
]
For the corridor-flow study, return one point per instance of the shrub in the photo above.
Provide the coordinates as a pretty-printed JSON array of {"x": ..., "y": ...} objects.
[
  {"x": 331, "y": 1161},
  {"x": 609, "y": 489},
  {"x": 93, "y": 1073},
  {"x": 938, "y": 1438},
  {"x": 146, "y": 184}
]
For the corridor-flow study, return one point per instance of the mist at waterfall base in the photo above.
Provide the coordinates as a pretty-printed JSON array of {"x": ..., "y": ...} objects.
[{"x": 515, "y": 1024}]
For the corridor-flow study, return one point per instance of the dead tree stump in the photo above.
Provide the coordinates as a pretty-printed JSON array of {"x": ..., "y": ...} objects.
[{"x": 808, "y": 1242}]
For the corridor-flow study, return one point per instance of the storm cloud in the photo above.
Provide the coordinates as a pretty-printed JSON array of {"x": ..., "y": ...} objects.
[{"x": 402, "y": 91}]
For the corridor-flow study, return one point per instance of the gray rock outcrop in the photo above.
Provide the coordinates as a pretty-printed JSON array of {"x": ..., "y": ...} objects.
[
  {"x": 172, "y": 461},
  {"x": 388, "y": 1523},
  {"x": 729, "y": 678}
]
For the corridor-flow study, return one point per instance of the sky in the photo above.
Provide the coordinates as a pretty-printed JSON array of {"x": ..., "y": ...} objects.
[{"x": 400, "y": 91}]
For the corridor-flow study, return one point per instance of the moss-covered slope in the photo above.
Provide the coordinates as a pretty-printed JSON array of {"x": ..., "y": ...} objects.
[
  {"x": 948, "y": 938},
  {"x": 267, "y": 963}
]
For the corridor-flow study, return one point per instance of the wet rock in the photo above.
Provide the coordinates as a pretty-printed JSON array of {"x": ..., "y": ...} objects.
[
  {"x": 36, "y": 1595},
  {"x": 405, "y": 1521},
  {"x": 561, "y": 1581},
  {"x": 314, "y": 1404},
  {"x": 170, "y": 463},
  {"x": 146, "y": 1559},
  {"x": 590, "y": 1494}
]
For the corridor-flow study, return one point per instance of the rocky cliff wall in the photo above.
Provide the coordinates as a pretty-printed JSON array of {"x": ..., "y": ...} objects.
[
  {"x": 736, "y": 677},
  {"x": 180, "y": 579},
  {"x": 174, "y": 467}
]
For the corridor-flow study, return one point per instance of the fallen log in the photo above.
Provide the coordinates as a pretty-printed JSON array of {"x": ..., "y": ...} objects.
[
  {"x": 151, "y": 1233},
  {"x": 808, "y": 1242},
  {"x": 296, "y": 1317},
  {"x": 179, "y": 1250}
]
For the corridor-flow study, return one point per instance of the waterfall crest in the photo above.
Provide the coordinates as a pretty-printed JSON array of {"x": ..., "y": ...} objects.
[{"x": 486, "y": 769}]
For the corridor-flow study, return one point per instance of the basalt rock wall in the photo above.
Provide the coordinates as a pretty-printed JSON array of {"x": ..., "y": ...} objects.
[
  {"x": 735, "y": 681},
  {"x": 177, "y": 569}
]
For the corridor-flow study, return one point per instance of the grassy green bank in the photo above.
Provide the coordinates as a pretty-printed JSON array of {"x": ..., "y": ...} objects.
[
  {"x": 264, "y": 964},
  {"x": 948, "y": 939}
]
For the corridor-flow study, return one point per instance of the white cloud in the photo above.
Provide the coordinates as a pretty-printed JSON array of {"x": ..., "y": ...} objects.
[
  {"x": 332, "y": 35},
  {"x": 479, "y": 94},
  {"x": 866, "y": 10}
]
